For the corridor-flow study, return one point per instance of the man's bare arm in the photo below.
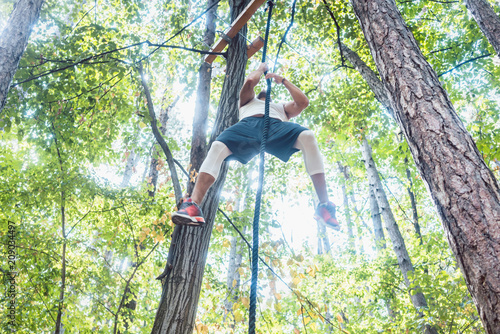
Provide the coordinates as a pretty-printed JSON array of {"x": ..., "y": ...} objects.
[
  {"x": 247, "y": 91},
  {"x": 300, "y": 100}
]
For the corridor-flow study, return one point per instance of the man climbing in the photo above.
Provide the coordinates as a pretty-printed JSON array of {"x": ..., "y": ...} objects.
[{"x": 242, "y": 142}]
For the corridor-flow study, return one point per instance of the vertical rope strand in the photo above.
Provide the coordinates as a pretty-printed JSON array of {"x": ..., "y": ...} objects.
[{"x": 256, "y": 217}]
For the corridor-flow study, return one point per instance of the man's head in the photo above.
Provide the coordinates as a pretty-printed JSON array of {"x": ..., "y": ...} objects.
[{"x": 262, "y": 95}]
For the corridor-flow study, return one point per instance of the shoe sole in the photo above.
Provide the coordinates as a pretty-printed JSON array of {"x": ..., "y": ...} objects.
[
  {"x": 187, "y": 220},
  {"x": 334, "y": 227}
]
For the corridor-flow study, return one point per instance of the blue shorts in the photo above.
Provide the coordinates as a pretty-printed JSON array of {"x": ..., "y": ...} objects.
[{"x": 243, "y": 138}]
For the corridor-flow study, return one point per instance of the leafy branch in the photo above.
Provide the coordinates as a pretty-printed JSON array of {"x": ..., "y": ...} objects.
[{"x": 465, "y": 62}]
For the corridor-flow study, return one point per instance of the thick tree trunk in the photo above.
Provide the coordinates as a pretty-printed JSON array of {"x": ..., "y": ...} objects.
[
  {"x": 199, "y": 140},
  {"x": 398, "y": 243},
  {"x": 487, "y": 20},
  {"x": 464, "y": 190},
  {"x": 183, "y": 277},
  {"x": 14, "y": 39}
]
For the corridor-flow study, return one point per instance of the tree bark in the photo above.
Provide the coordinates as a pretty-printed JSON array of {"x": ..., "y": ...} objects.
[
  {"x": 377, "y": 221},
  {"x": 14, "y": 39},
  {"x": 398, "y": 243},
  {"x": 199, "y": 140},
  {"x": 183, "y": 276},
  {"x": 487, "y": 20},
  {"x": 464, "y": 190}
]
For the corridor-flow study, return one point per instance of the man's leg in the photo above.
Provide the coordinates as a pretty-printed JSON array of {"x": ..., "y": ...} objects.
[
  {"x": 209, "y": 170},
  {"x": 203, "y": 183},
  {"x": 306, "y": 142},
  {"x": 319, "y": 183},
  {"x": 189, "y": 212}
]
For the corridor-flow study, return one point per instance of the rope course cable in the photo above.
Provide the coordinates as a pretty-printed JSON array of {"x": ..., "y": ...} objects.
[
  {"x": 283, "y": 39},
  {"x": 256, "y": 217}
]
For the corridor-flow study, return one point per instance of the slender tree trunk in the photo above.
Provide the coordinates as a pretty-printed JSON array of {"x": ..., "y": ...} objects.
[
  {"x": 233, "y": 274},
  {"x": 129, "y": 169},
  {"x": 60, "y": 306},
  {"x": 131, "y": 305},
  {"x": 359, "y": 231},
  {"x": 323, "y": 240},
  {"x": 358, "y": 213},
  {"x": 413, "y": 203},
  {"x": 233, "y": 277},
  {"x": 381, "y": 95},
  {"x": 377, "y": 221},
  {"x": 153, "y": 166},
  {"x": 199, "y": 140},
  {"x": 183, "y": 276},
  {"x": 347, "y": 212},
  {"x": 379, "y": 236},
  {"x": 464, "y": 190},
  {"x": 14, "y": 39},
  {"x": 320, "y": 244},
  {"x": 398, "y": 243},
  {"x": 487, "y": 20}
]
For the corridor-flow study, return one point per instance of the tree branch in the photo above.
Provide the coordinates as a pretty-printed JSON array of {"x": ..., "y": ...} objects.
[
  {"x": 338, "y": 32},
  {"x": 465, "y": 62},
  {"x": 159, "y": 138}
]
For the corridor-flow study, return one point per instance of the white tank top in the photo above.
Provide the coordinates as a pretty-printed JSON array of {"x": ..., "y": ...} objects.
[{"x": 257, "y": 107}]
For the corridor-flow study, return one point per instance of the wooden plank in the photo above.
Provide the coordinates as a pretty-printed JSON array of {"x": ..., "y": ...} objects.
[
  {"x": 235, "y": 27},
  {"x": 255, "y": 46}
]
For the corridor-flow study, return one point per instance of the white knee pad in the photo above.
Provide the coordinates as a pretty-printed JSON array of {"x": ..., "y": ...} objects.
[
  {"x": 216, "y": 155},
  {"x": 306, "y": 142}
]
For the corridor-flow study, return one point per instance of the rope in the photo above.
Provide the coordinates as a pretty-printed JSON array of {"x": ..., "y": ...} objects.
[{"x": 256, "y": 217}]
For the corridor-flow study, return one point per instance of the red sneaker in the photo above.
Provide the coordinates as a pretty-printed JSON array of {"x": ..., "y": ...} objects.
[
  {"x": 189, "y": 214},
  {"x": 326, "y": 212}
]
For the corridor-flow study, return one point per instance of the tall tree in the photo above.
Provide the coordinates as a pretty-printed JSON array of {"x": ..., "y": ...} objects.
[
  {"x": 377, "y": 221},
  {"x": 464, "y": 190},
  {"x": 183, "y": 275},
  {"x": 487, "y": 20},
  {"x": 13, "y": 41},
  {"x": 199, "y": 140},
  {"x": 373, "y": 80},
  {"x": 398, "y": 244}
]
